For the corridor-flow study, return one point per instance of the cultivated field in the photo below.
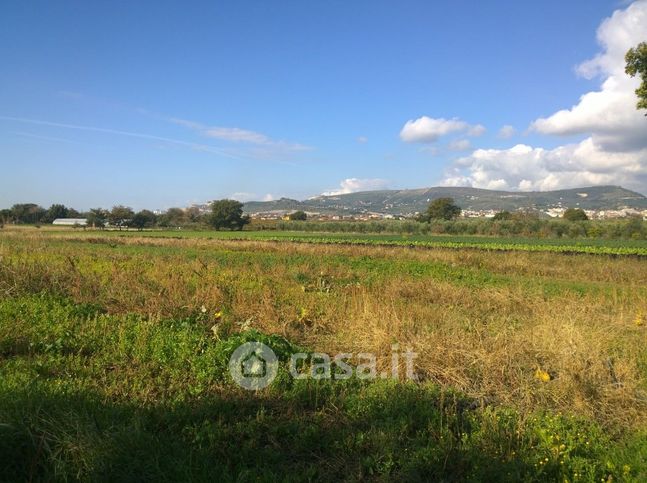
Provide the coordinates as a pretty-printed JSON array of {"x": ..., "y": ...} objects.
[{"x": 532, "y": 357}]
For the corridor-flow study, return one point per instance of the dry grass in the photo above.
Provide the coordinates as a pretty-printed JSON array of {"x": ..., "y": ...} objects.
[{"x": 481, "y": 322}]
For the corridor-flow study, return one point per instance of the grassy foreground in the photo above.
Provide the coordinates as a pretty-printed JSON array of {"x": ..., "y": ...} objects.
[{"x": 114, "y": 350}]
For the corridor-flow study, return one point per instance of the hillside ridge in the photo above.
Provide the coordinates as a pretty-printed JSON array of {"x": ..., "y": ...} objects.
[{"x": 409, "y": 201}]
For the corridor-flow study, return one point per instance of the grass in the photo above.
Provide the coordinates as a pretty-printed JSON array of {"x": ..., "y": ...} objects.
[
  {"x": 564, "y": 245},
  {"x": 110, "y": 368}
]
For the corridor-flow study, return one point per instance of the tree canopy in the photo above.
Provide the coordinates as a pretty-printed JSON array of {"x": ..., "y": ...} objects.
[
  {"x": 174, "y": 217},
  {"x": 636, "y": 59},
  {"x": 28, "y": 213},
  {"x": 120, "y": 215},
  {"x": 6, "y": 215},
  {"x": 56, "y": 211},
  {"x": 228, "y": 214},
  {"x": 575, "y": 214},
  {"x": 143, "y": 219},
  {"x": 441, "y": 209},
  {"x": 97, "y": 217},
  {"x": 502, "y": 216},
  {"x": 298, "y": 215}
]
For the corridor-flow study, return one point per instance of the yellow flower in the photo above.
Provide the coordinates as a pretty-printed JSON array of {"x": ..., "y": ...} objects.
[
  {"x": 542, "y": 375},
  {"x": 303, "y": 314},
  {"x": 639, "y": 320}
]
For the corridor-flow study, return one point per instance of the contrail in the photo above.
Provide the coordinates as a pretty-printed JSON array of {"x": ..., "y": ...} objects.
[{"x": 200, "y": 147}]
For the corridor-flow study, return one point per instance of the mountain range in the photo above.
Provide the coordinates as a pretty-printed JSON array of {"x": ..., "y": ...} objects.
[{"x": 409, "y": 201}]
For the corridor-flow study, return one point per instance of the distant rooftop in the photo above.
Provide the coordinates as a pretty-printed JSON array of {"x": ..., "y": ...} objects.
[{"x": 70, "y": 221}]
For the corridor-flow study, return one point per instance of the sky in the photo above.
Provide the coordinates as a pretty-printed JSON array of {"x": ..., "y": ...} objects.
[{"x": 168, "y": 103}]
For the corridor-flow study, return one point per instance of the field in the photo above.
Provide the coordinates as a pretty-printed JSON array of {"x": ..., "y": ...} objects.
[
  {"x": 531, "y": 366},
  {"x": 562, "y": 245}
]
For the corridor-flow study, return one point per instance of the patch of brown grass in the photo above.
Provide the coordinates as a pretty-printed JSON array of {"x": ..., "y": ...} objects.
[{"x": 572, "y": 316}]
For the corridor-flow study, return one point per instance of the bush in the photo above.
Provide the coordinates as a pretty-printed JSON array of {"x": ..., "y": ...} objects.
[{"x": 575, "y": 214}]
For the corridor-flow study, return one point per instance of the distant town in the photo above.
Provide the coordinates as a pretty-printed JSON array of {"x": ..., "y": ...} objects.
[
  {"x": 553, "y": 212},
  {"x": 599, "y": 203}
]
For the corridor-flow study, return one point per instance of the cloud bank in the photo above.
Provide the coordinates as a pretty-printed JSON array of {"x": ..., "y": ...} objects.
[
  {"x": 353, "y": 185},
  {"x": 428, "y": 130},
  {"x": 615, "y": 149}
]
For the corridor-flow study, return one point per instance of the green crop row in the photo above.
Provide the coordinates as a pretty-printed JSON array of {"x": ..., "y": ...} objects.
[{"x": 527, "y": 247}]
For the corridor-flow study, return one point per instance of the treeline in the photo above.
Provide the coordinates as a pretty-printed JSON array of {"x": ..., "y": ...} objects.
[
  {"x": 631, "y": 228},
  {"x": 225, "y": 214},
  {"x": 31, "y": 213},
  {"x": 119, "y": 216}
]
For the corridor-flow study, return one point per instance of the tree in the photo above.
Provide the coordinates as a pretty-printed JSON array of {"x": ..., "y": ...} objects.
[
  {"x": 28, "y": 213},
  {"x": 56, "y": 211},
  {"x": 228, "y": 214},
  {"x": 143, "y": 219},
  {"x": 120, "y": 215},
  {"x": 175, "y": 217},
  {"x": 5, "y": 217},
  {"x": 441, "y": 209},
  {"x": 575, "y": 214},
  {"x": 298, "y": 215},
  {"x": 526, "y": 215},
  {"x": 97, "y": 217},
  {"x": 636, "y": 60},
  {"x": 193, "y": 214},
  {"x": 634, "y": 228},
  {"x": 502, "y": 215}
]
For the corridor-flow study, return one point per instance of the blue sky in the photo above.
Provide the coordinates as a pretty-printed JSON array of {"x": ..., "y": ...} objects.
[{"x": 159, "y": 104}]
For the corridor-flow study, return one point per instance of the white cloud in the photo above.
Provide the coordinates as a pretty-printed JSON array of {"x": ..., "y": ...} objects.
[
  {"x": 236, "y": 135},
  {"x": 427, "y": 129},
  {"x": 506, "y": 132},
  {"x": 244, "y": 136},
  {"x": 353, "y": 185},
  {"x": 615, "y": 151},
  {"x": 243, "y": 196},
  {"x": 609, "y": 115},
  {"x": 477, "y": 130},
  {"x": 460, "y": 145},
  {"x": 362, "y": 139},
  {"x": 525, "y": 168}
]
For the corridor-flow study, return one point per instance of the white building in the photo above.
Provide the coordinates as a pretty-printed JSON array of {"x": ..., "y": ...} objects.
[{"x": 70, "y": 222}]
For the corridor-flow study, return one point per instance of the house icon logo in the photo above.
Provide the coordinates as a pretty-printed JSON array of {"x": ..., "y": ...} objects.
[{"x": 253, "y": 366}]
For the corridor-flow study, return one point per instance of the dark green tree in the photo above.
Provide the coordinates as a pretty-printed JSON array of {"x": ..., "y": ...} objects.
[
  {"x": 120, "y": 216},
  {"x": 228, "y": 214},
  {"x": 97, "y": 217},
  {"x": 143, "y": 219},
  {"x": 56, "y": 211},
  {"x": 193, "y": 214},
  {"x": 502, "y": 215},
  {"x": 174, "y": 217},
  {"x": 298, "y": 215},
  {"x": 441, "y": 209},
  {"x": 634, "y": 228},
  {"x": 28, "y": 213},
  {"x": 6, "y": 216},
  {"x": 636, "y": 59},
  {"x": 575, "y": 214}
]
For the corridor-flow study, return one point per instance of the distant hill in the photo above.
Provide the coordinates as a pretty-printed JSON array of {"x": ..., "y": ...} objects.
[{"x": 403, "y": 202}]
